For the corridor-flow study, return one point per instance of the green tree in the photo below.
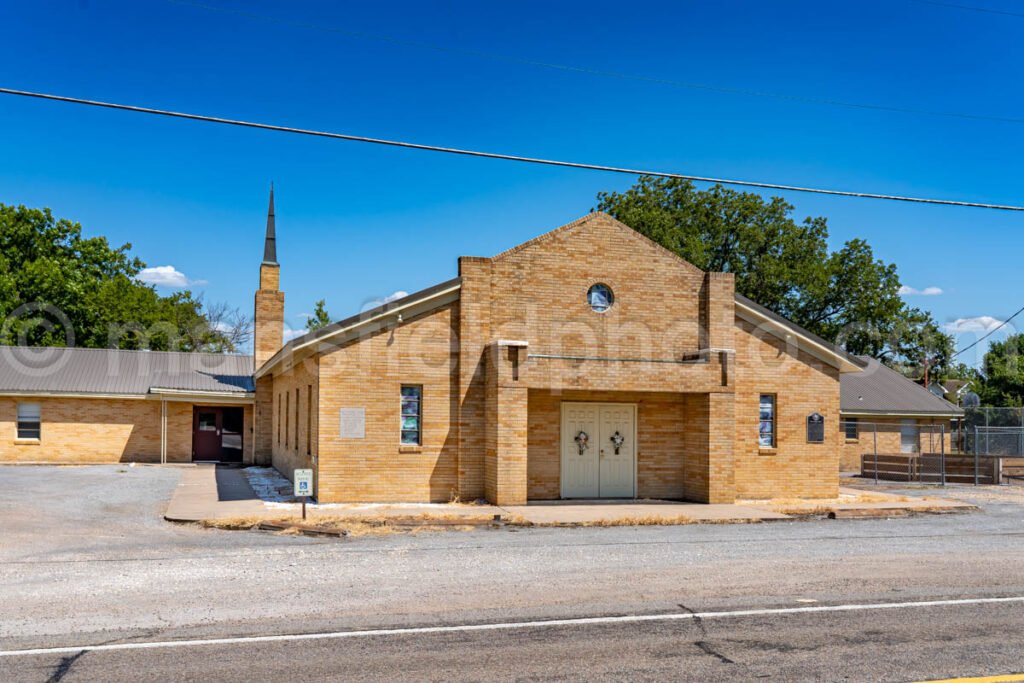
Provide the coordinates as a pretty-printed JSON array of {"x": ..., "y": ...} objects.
[
  {"x": 1002, "y": 373},
  {"x": 847, "y": 295},
  {"x": 59, "y": 287},
  {"x": 320, "y": 317}
]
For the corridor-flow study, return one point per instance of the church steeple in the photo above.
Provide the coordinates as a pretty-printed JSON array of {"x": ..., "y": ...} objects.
[
  {"x": 268, "y": 328},
  {"x": 270, "y": 243}
]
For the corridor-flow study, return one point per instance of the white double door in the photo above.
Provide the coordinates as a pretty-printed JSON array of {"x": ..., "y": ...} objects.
[{"x": 598, "y": 450}]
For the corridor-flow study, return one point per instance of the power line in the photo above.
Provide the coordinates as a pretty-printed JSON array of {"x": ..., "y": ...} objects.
[
  {"x": 988, "y": 334},
  {"x": 972, "y": 8},
  {"x": 617, "y": 75},
  {"x": 496, "y": 155}
]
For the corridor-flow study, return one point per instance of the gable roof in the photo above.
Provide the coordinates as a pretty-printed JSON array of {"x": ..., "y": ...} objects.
[
  {"x": 819, "y": 348},
  {"x": 880, "y": 390},
  {"x": 416, "y": 303},
  {"x": 116, "y": 372}
]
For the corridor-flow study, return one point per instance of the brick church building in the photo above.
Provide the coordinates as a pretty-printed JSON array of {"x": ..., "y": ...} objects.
[{"x": 589, "y": 362}]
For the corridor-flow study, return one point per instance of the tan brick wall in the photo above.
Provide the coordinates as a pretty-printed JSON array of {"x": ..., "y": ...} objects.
[
  {"x": 888, "y": 438},
  {"x": 473, "y": 325},
  {"x": 506, "y": 447},
  {"x": 288, "y": 428},
  {"x": 103, "y": 430},
  {"x": 268, "y": 321},
  {"x": 263, "y": 435},
  {"x": 803, "y": 385},
  {"x": 369, "y": 374}
]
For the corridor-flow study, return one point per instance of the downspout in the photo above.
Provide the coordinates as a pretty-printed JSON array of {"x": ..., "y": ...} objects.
[{"x": 163, "y": 431}]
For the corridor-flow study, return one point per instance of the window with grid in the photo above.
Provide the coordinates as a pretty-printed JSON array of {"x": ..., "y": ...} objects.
[
  {"x": 412, "y": 415},
  {"x": 296, "y": 419},
  {"x": 766, "y": 427},
  {"x": 309, "y": 419},
  {"x": 29, "y": 421},
  {"x": 278, "y": 419},
  {"x": 287, "y": 413}
]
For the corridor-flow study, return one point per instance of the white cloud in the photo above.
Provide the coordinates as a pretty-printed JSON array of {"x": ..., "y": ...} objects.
[
  {"x": 290, "y": 333},
  {"x": 167, "y": 276},
  {"x": 927, "y": 291},
  {"x": 981, "y": 323},
  {"x": 374, "y": 303}
]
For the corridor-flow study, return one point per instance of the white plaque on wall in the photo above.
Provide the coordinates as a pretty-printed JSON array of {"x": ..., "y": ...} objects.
[{"x": 353, "y": 423}]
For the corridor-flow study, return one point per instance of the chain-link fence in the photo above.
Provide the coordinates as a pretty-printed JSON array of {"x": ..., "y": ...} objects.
[
  {"x": 901, "y": 450},
  {"x": 991, "y": 432}
]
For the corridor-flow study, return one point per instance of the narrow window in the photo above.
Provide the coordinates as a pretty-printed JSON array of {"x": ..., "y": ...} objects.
[
  {"x": 279, "y": 419},
  {"x": 296, "y": 419},
  {"x": 412, "y": 415},
  {"x": 850, "y": 426},
  {"x": 910, "y": 436},
  {"x": 29, "y": 421},
  {"x": 766, "y": 429},
  {"x": 287, "y": 409},
  {"x": 309, "y": 420}
]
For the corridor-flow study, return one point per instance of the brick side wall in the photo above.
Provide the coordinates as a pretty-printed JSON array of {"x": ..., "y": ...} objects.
[
  {"x": 803, "y": 385},
  {"x": 102, "y": 430},
  {"x": 263, "y": 435},
  {"x": 368, "y": 374},
  {"x": 292, "y": 450}
]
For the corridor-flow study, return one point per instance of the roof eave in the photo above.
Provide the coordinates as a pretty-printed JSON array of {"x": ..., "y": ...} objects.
[
  {"x": 418, "y": 303},
  {"x": 897, "y": 413},
  {"x": 183, "y": 394},
  {"x": 809, "y": 344}
]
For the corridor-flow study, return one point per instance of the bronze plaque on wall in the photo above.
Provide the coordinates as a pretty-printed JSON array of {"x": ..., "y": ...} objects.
[{"x": 815, "y": 428}]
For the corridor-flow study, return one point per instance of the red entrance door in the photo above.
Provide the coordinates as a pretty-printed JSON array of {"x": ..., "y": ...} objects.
[{"x": 217, "y": 434}]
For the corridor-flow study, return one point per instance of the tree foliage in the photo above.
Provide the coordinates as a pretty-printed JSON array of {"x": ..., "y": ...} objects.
[
  {"x": 1002, "y": 375},
  {"x": 320, "y": 317},
  {"x": 58, "y": 287},
  {"x": 847, "y": 295}
]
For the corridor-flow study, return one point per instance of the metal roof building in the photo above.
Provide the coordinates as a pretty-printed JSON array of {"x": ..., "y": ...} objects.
[
  {"x": 115, "y": 372},
  {"x": 879, "y": 391}
]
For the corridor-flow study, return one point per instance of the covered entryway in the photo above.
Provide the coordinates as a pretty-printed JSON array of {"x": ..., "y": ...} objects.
[
  {"x": 598, "y": 443},
  {"x": 217, "y": 433}
]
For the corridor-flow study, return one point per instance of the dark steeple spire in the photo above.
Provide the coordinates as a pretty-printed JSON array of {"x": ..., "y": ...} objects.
[{"x": 270, "y": 245}]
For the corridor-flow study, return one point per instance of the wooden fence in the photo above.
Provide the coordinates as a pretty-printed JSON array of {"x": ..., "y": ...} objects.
[{"x": 932, "y": 468}]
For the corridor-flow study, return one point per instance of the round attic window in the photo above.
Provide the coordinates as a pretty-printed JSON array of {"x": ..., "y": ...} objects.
[{"x": 600, "y": 297}]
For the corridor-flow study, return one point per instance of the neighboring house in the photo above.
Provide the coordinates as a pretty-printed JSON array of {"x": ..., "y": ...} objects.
[
  {"x": 73, "y": 405},
  {"x": 882, "y": 411},
  {"x": 589, "y": 362}
]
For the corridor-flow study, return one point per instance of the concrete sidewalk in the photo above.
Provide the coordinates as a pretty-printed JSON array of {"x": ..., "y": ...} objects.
[{"x": 209, "y": 492}]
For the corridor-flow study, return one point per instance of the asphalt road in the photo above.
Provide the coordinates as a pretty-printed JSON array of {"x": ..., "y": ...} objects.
[{"x": 85, "y": 560}]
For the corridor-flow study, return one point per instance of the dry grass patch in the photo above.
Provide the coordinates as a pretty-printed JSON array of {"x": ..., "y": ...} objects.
[
  {"x": 647, "y": 520},
  {"x": 356, "y": 525},
  {"x": 231, "y": 523},
  {"x": 869, "y": 497}
]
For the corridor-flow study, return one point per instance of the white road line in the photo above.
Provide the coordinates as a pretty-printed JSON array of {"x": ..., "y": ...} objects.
[{"x": 501, "y": 626}]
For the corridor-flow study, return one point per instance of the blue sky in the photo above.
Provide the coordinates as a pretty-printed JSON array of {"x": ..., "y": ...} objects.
[{"x": 357, "y": 222}]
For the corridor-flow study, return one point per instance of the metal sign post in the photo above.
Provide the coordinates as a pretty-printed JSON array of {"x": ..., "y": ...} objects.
[{"x": 303, "y": 487}]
